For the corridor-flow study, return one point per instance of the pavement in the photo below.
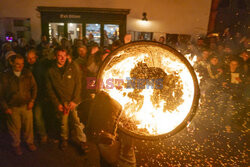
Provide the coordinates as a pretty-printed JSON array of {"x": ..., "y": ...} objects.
[{"x": 217, "y": 136}]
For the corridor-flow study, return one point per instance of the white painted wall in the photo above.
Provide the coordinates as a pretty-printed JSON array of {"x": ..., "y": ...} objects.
[{"x": 165, "y": 16}]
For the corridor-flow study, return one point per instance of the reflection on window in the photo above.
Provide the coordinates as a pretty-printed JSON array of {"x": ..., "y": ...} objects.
[
  {"x": 93, "y": 32},
  {"x": 56, "y": 30},
  {"x": 74, "y": 31},
  {"x": 142, "y": 36},
  {"x": 111, "y": 33}
]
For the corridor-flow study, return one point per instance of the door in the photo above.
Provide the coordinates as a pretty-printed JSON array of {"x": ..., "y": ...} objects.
[
  {"x": 93, "y": 33},
  {"x": 111, "y": 33},
  {"x": 74, "y": 31},
  {"x": 56, "y": 30}
]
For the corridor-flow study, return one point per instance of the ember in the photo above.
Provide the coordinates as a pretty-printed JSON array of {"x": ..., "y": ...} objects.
[
  {"x": 169, "y": 90},
  {"x": 164, "y": 88}
]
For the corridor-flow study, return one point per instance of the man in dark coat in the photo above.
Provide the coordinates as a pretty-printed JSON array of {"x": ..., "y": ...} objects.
[
  {"x": 17, "y": 96},
  {"x": 64, "y": 88},
  {"x": 38, "y": 70}
]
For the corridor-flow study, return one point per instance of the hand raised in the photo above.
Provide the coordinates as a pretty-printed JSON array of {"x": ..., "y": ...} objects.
[{"x": 72, "y": 105}]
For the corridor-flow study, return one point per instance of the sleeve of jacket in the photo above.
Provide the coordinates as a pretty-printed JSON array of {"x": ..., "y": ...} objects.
[
  {"x": 50, "y": 90},
  {"x": 78, "y": 84},
  {"x": 3, "y": 102},
  {"x": 33, "y": 88}
]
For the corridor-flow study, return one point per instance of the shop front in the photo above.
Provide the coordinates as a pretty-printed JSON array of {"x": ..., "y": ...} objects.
[{"x": 101, "y": 25}]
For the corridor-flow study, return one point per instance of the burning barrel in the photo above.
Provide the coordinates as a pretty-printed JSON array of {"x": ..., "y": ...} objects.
[{"x": 154, "y": 88}]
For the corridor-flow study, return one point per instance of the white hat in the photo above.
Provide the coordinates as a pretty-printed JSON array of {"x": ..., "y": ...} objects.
[{"x": 9, "y": 54}]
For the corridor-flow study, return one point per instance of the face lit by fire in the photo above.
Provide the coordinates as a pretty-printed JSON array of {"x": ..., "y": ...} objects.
[
  {"x": 61, "y": 57},
  {"x": 205, "y": 55},
  {"x": 18, "y": 65},
  {"x": 233, "y": 66},
  {"x": 82, "y": 51},
  {"x": 94, "y": 50},
  {"x": 214, "y": 61},
  {"x": 31, "y": 58}
]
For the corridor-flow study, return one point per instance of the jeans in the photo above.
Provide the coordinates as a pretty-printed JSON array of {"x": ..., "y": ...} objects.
[
  {"x": 73, "y": 120},
  {"x": 20, "y": 116},
  {"x": 39, "y": 120}
]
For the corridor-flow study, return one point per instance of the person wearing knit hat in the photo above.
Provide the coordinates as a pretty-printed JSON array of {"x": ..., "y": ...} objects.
[
  {"x": 9, "y": 54},
  {"x": 8, "y": 60}
]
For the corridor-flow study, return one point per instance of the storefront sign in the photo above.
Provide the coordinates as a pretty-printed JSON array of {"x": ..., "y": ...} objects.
[{"x": 69, "y": 16}]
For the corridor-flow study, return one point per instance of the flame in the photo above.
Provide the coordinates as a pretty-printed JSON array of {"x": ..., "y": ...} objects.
[
  {"x": 149, "y": 119},
  {"x": 192, "y": 61}
]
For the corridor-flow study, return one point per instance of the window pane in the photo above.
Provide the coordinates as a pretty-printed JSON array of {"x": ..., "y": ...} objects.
[
  {"x": 74, "y": 31},
  {"x": 93, "y": 32},
  {"x": 56, "y": 30},
  {"x": 18, "y": 23},
  {"x": 143, "y": 35},
  {"x": 111, "y": 33}
]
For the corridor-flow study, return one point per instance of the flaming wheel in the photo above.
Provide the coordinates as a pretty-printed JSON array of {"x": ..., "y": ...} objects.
[{"x": 155, "y": 85}]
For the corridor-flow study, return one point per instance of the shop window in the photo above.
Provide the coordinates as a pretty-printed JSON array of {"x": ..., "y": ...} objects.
[
  {"x": 56, "y": 30},
  {"x": 74, "y": 31},
  {"x": 142, "y": 36},
  {"x": 20, "y": 34},
  {"x": 111, "y": 33},
  {"x": 93, "y": 32},
  {"x": 18, "y": 23}
]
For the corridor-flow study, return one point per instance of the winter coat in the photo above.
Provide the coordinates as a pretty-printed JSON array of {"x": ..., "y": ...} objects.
[
  {"x": 17, "y": 91},
  {"x": 64, "y": 86}
]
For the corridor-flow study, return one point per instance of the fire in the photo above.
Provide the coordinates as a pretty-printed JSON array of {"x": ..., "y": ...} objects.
[
  {"x": 192, "y": 61},
  {"x": 144, "y": 117}
]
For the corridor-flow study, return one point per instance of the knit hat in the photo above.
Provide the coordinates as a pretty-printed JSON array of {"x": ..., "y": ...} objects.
[{"x": 9, "y": 54}]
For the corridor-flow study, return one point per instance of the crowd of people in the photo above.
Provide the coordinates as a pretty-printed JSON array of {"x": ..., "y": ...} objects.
[
  {"x": 33, "y": 76},
  {"x": 44, "y": 86}
]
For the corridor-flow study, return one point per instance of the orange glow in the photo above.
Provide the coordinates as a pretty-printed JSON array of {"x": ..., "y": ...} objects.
[{"x": 150, "y": 119}]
